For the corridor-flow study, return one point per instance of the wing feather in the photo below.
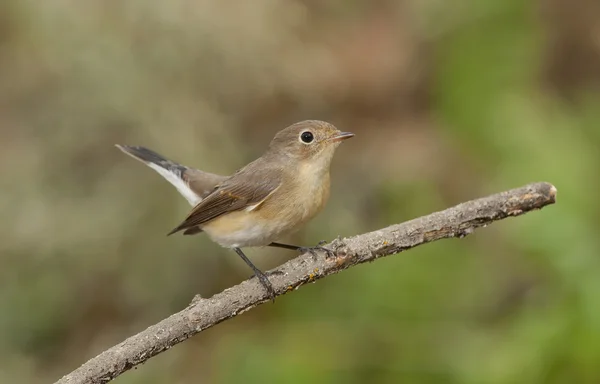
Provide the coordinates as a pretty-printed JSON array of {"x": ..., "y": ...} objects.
[{"x": 236, "y": 193}]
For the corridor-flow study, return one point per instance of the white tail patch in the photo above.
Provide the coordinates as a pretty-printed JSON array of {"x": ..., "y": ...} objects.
[{"x": 177, "y": 182}]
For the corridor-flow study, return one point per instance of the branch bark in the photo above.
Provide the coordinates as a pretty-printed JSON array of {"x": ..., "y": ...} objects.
[{"x": 458, "y": 221}]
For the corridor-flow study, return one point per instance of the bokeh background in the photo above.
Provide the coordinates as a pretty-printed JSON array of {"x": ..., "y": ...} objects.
[{"x": 449, "y": 100}]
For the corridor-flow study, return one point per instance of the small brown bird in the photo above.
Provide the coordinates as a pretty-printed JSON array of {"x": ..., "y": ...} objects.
[{"x": 263, "y": 201}]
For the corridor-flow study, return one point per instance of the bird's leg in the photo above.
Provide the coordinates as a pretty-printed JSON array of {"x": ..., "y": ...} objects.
[
  {"x": 311, "y": 250},
  {"x": 259, "y": 274}
]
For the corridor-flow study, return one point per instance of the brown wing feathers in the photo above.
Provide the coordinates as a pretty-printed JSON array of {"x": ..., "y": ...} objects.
[{"x": 232, "y": 196}]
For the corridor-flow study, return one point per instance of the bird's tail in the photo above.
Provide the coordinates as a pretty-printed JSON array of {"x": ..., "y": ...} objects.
[
  {"x": 148, "y": 157},
  {"x": 173, "y": 172}
]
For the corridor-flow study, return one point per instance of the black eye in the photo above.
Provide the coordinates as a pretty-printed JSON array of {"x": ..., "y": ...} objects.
[{"x": 307, "y": 137}]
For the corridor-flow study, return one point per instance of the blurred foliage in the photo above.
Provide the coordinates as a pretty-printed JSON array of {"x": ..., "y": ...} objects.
[{"x": 449, "y": 101}]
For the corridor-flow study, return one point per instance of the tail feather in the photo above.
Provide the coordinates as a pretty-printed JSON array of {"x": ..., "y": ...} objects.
[
  {"x": 171, "y": 171},
  {"x": 149, "y": 156}
]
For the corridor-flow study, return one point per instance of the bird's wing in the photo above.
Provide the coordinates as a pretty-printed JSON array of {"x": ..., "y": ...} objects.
[
  {"x": 200, "y": 182},
  {"x": 235, "y": 194}
]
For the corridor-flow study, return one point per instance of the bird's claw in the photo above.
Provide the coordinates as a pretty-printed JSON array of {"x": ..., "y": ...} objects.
[
  {"x": 264, "y": 281},
  {"x": 313, "y": 250},
  {"x": 267, "y": 284}
]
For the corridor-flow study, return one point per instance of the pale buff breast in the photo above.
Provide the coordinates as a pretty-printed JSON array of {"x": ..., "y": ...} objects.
[{"x": 298, "y": 200}]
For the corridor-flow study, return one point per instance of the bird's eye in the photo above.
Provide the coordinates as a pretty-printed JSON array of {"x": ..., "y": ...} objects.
[{"x": 307, "y": 137}]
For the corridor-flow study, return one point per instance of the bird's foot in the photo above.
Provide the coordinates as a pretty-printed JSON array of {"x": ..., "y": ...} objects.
[
  {"x": 264, "y": 281},
  {"x": 319, "y": 247}
]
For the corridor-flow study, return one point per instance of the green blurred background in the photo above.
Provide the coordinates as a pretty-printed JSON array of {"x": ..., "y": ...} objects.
[{"x": 449, "y": 100}]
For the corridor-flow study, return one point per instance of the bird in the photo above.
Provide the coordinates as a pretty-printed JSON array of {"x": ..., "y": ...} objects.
[{"x": 270, "y": 197}]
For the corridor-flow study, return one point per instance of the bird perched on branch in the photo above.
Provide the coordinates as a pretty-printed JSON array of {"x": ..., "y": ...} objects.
[{"x": 263, "y": 201}]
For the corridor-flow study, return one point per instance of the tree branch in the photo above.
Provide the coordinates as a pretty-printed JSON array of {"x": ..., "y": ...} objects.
[{"x": 201, "y": 314}]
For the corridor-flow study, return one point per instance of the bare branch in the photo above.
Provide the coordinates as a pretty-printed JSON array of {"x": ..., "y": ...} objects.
[{"x": 201, "y": 314}]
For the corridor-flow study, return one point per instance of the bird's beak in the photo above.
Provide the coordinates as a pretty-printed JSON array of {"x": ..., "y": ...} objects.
[{"x": 342, "y": 136}]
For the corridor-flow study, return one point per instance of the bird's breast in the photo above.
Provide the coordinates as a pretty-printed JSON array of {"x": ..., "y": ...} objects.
[{"x": 303, "y": 195}]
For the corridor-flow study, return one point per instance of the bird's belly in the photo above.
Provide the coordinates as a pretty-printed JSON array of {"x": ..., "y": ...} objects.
[{"x": 244, "y": 229}]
